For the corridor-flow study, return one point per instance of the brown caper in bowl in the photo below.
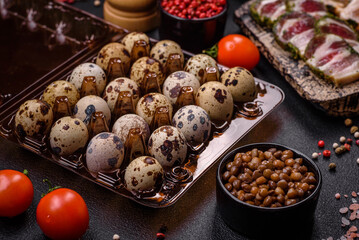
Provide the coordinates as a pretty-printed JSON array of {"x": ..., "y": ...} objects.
[{"x": 265, "y": 185}]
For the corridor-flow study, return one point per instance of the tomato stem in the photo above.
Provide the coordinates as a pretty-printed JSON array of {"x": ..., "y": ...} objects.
[
  {"x": 50, "y": 187},
  {"x": 212, "y": 51},
  {"x": 25, "y": 172}
]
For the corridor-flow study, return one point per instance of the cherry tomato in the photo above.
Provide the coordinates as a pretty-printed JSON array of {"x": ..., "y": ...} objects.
[
  {"x": 236, "y": 50},
  {"x": 62, "y": 214},
  {"x": 16, "y": 193}
]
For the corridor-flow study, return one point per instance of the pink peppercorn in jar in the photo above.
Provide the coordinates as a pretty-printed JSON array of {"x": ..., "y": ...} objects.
[{"x": 194, "y": 24}]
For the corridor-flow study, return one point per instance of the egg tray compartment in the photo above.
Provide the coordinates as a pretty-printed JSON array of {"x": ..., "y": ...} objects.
[
  {"x": 42, "y": 38},
  {"x": 176, "y": 180}
]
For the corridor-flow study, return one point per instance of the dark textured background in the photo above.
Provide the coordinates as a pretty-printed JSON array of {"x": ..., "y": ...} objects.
[{"x": 295, "y": 123}]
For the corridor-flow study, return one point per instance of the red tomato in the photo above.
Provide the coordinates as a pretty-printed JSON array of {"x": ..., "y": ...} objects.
[
  {"x": 62, "y": 214},
  {"x": 236, "y": 50},
  {"x": 16, "y": 193}
]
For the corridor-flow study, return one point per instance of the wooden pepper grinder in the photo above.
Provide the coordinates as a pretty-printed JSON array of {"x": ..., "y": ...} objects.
[{"x": 134, "y": 15}]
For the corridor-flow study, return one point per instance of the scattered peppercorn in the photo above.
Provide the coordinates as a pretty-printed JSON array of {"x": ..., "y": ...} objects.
[
  {"x": 356, "y": 134},
  {"x": 347, "y": 146},
  {"x": 326, "y": 153},
  {"x": 321, "y": 143},
  {"x": 315, "y": 155},
  {"x": 348, "y": 122},
  {"x": 357, "y": 142},
  {"x": 332, "y": 166},
  {"x": 349, "y": 140},
  {"x": 337, "y": 196},
  {"x": 116, "y": 237},
  {"x": 353, "y": 129},
  {"x": 97, "y": 3},
  {"x": 342, "y": 139},
  {"x": 340, "y": 150},
  {"x": 335, "y": 145},
  {"x": 192, "y": 9},
  {"x": 357, "y": 160}
]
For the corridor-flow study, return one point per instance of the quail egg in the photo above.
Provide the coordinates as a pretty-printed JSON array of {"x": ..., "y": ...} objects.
[
  {"x": 168, "y": 145},
  {"x": 85, "y": 70},
  {"x": 175, "y": 81},
  {"x": 68, "y": 135},
  {"x": 143, "y": 66},
  {"x": 240, "y": 82},
  {"x": 216, "y": 99},
  {"x": 104, "y": 153},
  {"x": 113, "y": 50},
  {"x": 34, "y": 117},
  {"x": 90, "y": 104},
  {"x": 123, "y": 125},
  {"x": 146, "y": 106},
  {"x": 61, "y": 88},
  {"x": 198, "y": 64},
  {"x": 193, "y": 122},
  {"x": 130, "y": 39},
  {"x": 120, "y": 85},
  {"x": 143, "y": 174},
  {"x": 162, "y": 50}
]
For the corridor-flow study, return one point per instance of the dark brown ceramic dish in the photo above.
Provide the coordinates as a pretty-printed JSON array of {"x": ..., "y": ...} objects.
[
  {"x": 336, "y": 101},
  {"x": 193, "y": 34},
  {"x": 288, "y": 222}
]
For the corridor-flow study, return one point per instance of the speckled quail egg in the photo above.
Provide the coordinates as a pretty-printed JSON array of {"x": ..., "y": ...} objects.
[
  {"x": 175, "y": 81},
  {"x": 113, "y": 50},
  {"x": 90, "y": 104},
  {"x": 143, "y": 174},
  {"x": 144, "y": 65},
  {"x": 120, "y": 85},
  {"x": 130, "y": 39},
  {"x": 68, "y": 135},
  {"x": 162, "y": 49},
  {"x": 168, "y": 145},
  {"x": 123, "y": 125},
  {"x": 240, "y": 82},
  {"x": 198, "y": 64},
  {"x": 216, "y": 99},
  {"x": 146, "y": 106},
  {"x": 86, "y": 70},
  {"x": 193, "y": 122},
  {"x": 34, "y": 117},
  {"x": 104, "y": 153},
  {"x": 61, "y": 88}
]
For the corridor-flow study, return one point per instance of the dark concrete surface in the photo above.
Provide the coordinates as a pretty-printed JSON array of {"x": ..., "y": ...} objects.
[{"x": 296, "y": 123}]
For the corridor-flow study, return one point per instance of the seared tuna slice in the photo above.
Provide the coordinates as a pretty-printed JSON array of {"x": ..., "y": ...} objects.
[
  {"x": 340, "y": 28},
  {"x": 293, "y": 31},
  {"x": 266, "y": 12},
  {"x": 331, "y": 57},
  {"x": 315, "y": 8}
]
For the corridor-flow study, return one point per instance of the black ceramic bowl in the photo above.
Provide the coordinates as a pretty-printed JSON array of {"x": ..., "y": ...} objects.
[
  {"x": 193, "y": 34},
  {"x": 288, "y": 222}
]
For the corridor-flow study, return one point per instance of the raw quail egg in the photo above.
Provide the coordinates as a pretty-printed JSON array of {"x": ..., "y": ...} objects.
[
  {"x": 68, "y": 135},
  {"x": 240, "y": 82},
  {"x": 146, "y": 106},
  {"x": 168, "y": 145},
  {"x": 175, "y": 81},
  {"x": 104, "y": 153},
  {"x": 193, "y": 122},
  {"x": 90, "y": 104},
  {"x": 216, "y": 99},
  {"x": 120, "y": 85},
  {"x": 34, "y": 117},
  {"x": 130, "y": 39},
  {"x": 143, "y": 66},
  {"x": 198, "y": 64},
  {"x": 123, "y": 125},
  {"x": 113, "y": 50},
  {"x": 143, "y": 174},
  {"x": 86, "y": 70},
  {"x": 162, "y": 50},
  {"x": 61, "y": 88}
]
